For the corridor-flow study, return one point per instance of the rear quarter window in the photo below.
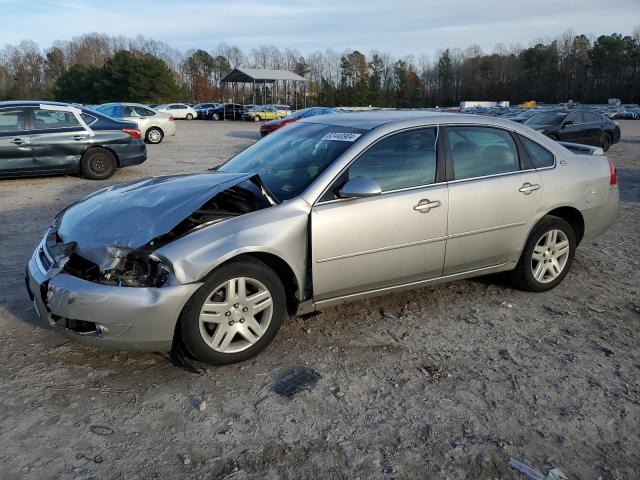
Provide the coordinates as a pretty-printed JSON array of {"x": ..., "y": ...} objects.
[{"x": 540, "y": 156}]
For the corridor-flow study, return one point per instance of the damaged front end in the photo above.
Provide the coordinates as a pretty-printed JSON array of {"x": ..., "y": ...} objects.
[
  {"x": 115, "y": 244},
  {"x": 109, "y": 240}
]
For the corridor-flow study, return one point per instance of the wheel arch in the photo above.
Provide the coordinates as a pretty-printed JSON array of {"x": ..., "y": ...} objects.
[
  {"x": 110, "y": 150},
  {"x": 284, "y": 271},
  {"x": 574, "y": 217},
  {"x": 158, "y": 127}
]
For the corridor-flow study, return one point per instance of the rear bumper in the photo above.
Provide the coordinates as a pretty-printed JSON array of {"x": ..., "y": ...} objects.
[
  {"x": 169, "y": 129},
  {"x": 133, "y": 154},
  {"x": 597, "y": 220},
  {"x": 105, "y": 315}
]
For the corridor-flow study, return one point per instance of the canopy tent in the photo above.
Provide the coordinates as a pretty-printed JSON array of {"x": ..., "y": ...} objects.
[
  {"x": 264, "y": 76},
  {"x": 249, "y": 75}
]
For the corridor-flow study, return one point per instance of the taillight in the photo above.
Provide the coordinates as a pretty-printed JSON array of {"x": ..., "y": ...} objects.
[
  {"x": 134, "y": 132},
  {"x": 171, "y": 119},
  {"x": 613, "y": 179}
]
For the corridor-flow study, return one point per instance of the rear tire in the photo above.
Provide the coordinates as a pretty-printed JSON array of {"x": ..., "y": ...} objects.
[
  {"x": 98, "y": 164},
  {"x": 221, "y": 325},
  {"x": 154, "y": 136},
  {"x": 605, "y": 141},
  {"x": 547, "y": 255},
  {"x": 215, "y": 116}
]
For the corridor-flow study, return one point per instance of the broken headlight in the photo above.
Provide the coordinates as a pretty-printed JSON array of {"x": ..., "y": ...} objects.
[{"x": 138, "y": 271}]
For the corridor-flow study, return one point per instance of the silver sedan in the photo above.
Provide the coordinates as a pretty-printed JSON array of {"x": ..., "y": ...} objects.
[
  {"x": 153, "y": 125},
  {"x": 331, "y": 209}
]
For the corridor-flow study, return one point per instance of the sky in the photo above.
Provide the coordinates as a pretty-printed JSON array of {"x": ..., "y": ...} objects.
[{"x": 398, "y": 27}]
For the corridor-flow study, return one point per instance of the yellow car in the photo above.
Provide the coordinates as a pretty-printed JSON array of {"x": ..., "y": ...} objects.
[{"x": 258, "y": 114}]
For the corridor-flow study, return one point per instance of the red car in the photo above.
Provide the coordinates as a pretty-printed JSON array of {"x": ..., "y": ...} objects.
[{"x": 272, "y": 125}]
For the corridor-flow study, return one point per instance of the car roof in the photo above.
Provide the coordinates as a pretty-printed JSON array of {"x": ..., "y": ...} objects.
[
  {"x": 129, "y": 104},
  {"x": 368, "y": 120},
  {"x": 33, "y": 103}
]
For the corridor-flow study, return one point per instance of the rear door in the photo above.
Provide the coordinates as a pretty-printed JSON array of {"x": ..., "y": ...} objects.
[
  {"x": 58, "y": 140},
  {"x": 16, "y": 154},
  {"x": 396, "y": 237},
  {"x": 593, "y": 127},
  {"x": 572, "y": 129},
  {"x": 493, "y": 197}
]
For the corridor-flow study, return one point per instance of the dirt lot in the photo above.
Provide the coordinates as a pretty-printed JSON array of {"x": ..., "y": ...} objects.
[{"x": 442, "y": 382}]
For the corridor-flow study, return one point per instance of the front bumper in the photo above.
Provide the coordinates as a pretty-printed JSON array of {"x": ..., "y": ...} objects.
[{"x": 125, "y": 318}]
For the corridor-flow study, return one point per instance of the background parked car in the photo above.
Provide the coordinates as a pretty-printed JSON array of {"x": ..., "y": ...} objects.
[
  {"x": 178, "y": 110},
  {"x": 522, "y": 115},
  {"x": 202, "y": 109},
  {"x": 272, "y": 125},
  {"x": 226, "y": 111},
  {"x": 39, "y": 138},
  {"x": 263, "y": 112},
  {"x": 153, "y": 125},
  {"x": 576, "y": 126}
]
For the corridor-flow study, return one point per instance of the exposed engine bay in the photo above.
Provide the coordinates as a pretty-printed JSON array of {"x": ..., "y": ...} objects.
[{"x": 129, "y": 260}]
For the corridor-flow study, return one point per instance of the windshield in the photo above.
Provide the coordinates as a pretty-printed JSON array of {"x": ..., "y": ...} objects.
[
  {"x": 289, "y": 160},
  {"x": 546, "y": 118}
]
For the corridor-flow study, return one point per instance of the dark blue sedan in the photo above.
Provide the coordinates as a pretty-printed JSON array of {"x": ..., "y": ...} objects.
[{"x": 44, "y": 138}]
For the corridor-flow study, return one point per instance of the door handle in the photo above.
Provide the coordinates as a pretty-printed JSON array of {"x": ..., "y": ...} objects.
[
  {"x": 425, "y": 205},
  {"x": 18, "y": 141},
  {"x": 527, "y": 188},
  {"x": 77, "y": 138}
]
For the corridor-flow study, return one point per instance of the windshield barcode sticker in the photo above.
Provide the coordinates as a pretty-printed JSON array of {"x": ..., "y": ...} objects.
[{"x": 342, "y": 136}]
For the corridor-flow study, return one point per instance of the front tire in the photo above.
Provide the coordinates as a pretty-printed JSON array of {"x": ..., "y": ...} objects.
[
  {"x": 98, "y": 164},
  {"x": 257, "y": 118},
  {"x": 216, "y": 116},
  {"x": 235, "y": 314},
  {"x": 605, "y": 141},
  {"x": 189, "y": 116},
  {"x": 154, "y": 136},
  {"x": 547, "y": 255}
]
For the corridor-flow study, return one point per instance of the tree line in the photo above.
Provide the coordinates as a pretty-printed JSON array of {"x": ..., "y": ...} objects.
[{"x": 97, "y": 68}]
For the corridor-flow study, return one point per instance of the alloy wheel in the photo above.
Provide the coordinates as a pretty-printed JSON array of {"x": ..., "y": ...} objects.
[
  {"x": 550, "y": 256},
  {"x": 155, "y": 136},
  {"x": 236, "y": 315}
]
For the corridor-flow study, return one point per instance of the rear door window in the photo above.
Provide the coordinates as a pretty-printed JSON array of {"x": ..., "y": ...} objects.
[
  {"x": 403, "y": 160},
  {"x": 12, "y": 120},
  {"x": 54, "y": 119},
  {"x": 540, "y": 156},
  {"x": 574, "y": 117},
  {"x": 590, "y": 117},
  {"x": 481, "y": 151},
  {"x": 113, "y": 111}
]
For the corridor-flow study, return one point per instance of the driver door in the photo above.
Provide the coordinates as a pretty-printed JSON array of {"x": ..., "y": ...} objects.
[{"x": 396, "y": 237}]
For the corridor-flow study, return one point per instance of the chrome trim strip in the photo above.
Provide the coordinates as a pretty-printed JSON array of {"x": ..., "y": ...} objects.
[
  {"x": 485, "y": 230},
  {"x": 420, "y": 242},
  {"x": 381, "y": 249},
  {"x": 45, "y": 251},
  {"x": 437, "y": 127},
  {"x": 37, "y": 258},
  {"x": 370, "y": 145}
]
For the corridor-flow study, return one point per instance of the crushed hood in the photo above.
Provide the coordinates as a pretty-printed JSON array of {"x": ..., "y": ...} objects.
[{"x": 113, "y": 221}]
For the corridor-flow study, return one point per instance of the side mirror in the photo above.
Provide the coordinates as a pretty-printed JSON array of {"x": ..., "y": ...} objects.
[
  {"x": 567, "y": 123},
  {"x": 360, "y": 187}
]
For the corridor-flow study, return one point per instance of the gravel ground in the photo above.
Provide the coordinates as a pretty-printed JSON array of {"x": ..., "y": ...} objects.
[{"x": 442, "y": 382}]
